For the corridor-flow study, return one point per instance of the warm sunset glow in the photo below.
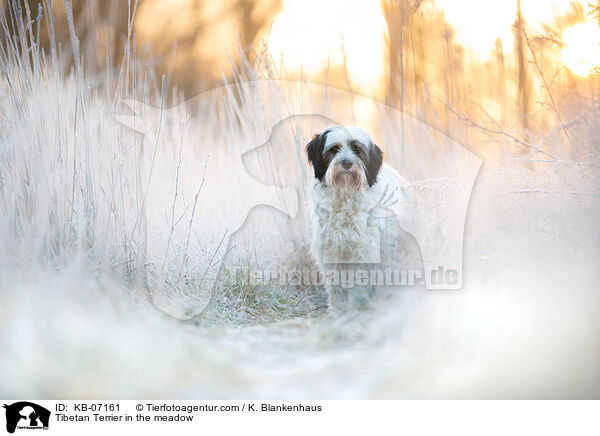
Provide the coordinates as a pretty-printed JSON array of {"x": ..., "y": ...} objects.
[
  {"x": 479, "y": 23},
  {"x": 308, "y": 34},
  {"x": 581, "y": 53}
]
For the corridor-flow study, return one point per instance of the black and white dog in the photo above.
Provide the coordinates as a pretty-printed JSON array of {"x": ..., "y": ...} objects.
[{"x": 349, "y": 218}]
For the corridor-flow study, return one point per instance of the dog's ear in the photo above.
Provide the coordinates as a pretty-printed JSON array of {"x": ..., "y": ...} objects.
[
  {"x": 373, "y": 164},
  {"x": 314, "y": 150}
]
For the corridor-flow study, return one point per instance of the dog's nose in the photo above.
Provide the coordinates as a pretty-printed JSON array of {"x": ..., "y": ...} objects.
[{"x": 346, "y": 163}]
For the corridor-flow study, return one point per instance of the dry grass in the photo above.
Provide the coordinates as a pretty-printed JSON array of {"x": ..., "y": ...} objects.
[{"x": 100, "y": 225}]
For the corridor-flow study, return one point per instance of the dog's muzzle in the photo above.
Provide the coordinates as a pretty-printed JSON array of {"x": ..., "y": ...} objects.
[{"x": 347, "y": 175}]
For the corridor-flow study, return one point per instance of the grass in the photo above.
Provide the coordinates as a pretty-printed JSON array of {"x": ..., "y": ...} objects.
[
  {"x": 100, "y": 226},
  {"x": 78, "y": 186}
]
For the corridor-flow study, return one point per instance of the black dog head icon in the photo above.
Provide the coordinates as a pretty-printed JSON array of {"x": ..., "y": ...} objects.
[{"x": 35, "y": 416}]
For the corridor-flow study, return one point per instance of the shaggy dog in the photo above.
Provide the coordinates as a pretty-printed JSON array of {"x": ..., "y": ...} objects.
[{"x": 353, "y": 229}]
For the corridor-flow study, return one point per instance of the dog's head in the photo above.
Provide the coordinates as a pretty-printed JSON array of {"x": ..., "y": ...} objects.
[{"x": 345, "y": 158}]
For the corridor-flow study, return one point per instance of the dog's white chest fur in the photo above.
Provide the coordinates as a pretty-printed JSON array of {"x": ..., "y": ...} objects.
[
  {"x": 346, "y": 225},
  {"x": 342, "y": 230}
]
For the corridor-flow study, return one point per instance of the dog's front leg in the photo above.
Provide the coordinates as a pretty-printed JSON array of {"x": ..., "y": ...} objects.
[
  {"x": 339, "y": 300},
  {"x": 348, "y": 291}
]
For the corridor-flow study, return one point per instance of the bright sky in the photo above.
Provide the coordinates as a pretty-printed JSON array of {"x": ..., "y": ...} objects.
[
  {"x": 478, "y": 23},
  {"x": 582, "y": 51},
  {"x": 309, "y": 32}
]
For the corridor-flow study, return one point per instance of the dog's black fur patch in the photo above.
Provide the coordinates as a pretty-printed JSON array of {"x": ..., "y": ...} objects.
[
  {"x": 373, "y": 164},
  {"x": 314, "y": 149}
]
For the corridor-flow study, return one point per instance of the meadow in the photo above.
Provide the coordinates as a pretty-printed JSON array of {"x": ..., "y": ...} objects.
[{"x": 114, "y": 254}]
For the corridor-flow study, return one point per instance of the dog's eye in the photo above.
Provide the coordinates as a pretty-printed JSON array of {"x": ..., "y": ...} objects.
[
  {"x": 334, "y": 149},
  {"x": 356, "y": 149}
]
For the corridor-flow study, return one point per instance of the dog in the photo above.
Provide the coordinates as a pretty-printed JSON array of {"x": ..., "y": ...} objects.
[{"x": 353, "y": 227}]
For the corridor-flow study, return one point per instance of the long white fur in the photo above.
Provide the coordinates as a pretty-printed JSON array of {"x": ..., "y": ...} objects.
[
  {"x": 340, "y": 227},
  {"x": 342, "y": 233}
]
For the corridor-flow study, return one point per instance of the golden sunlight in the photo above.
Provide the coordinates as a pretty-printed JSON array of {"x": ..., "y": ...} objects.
[
  {"x": 495, "y": 20},
  {"x": 581, "y": 53},
  {"x": 309, "y": 34}
]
